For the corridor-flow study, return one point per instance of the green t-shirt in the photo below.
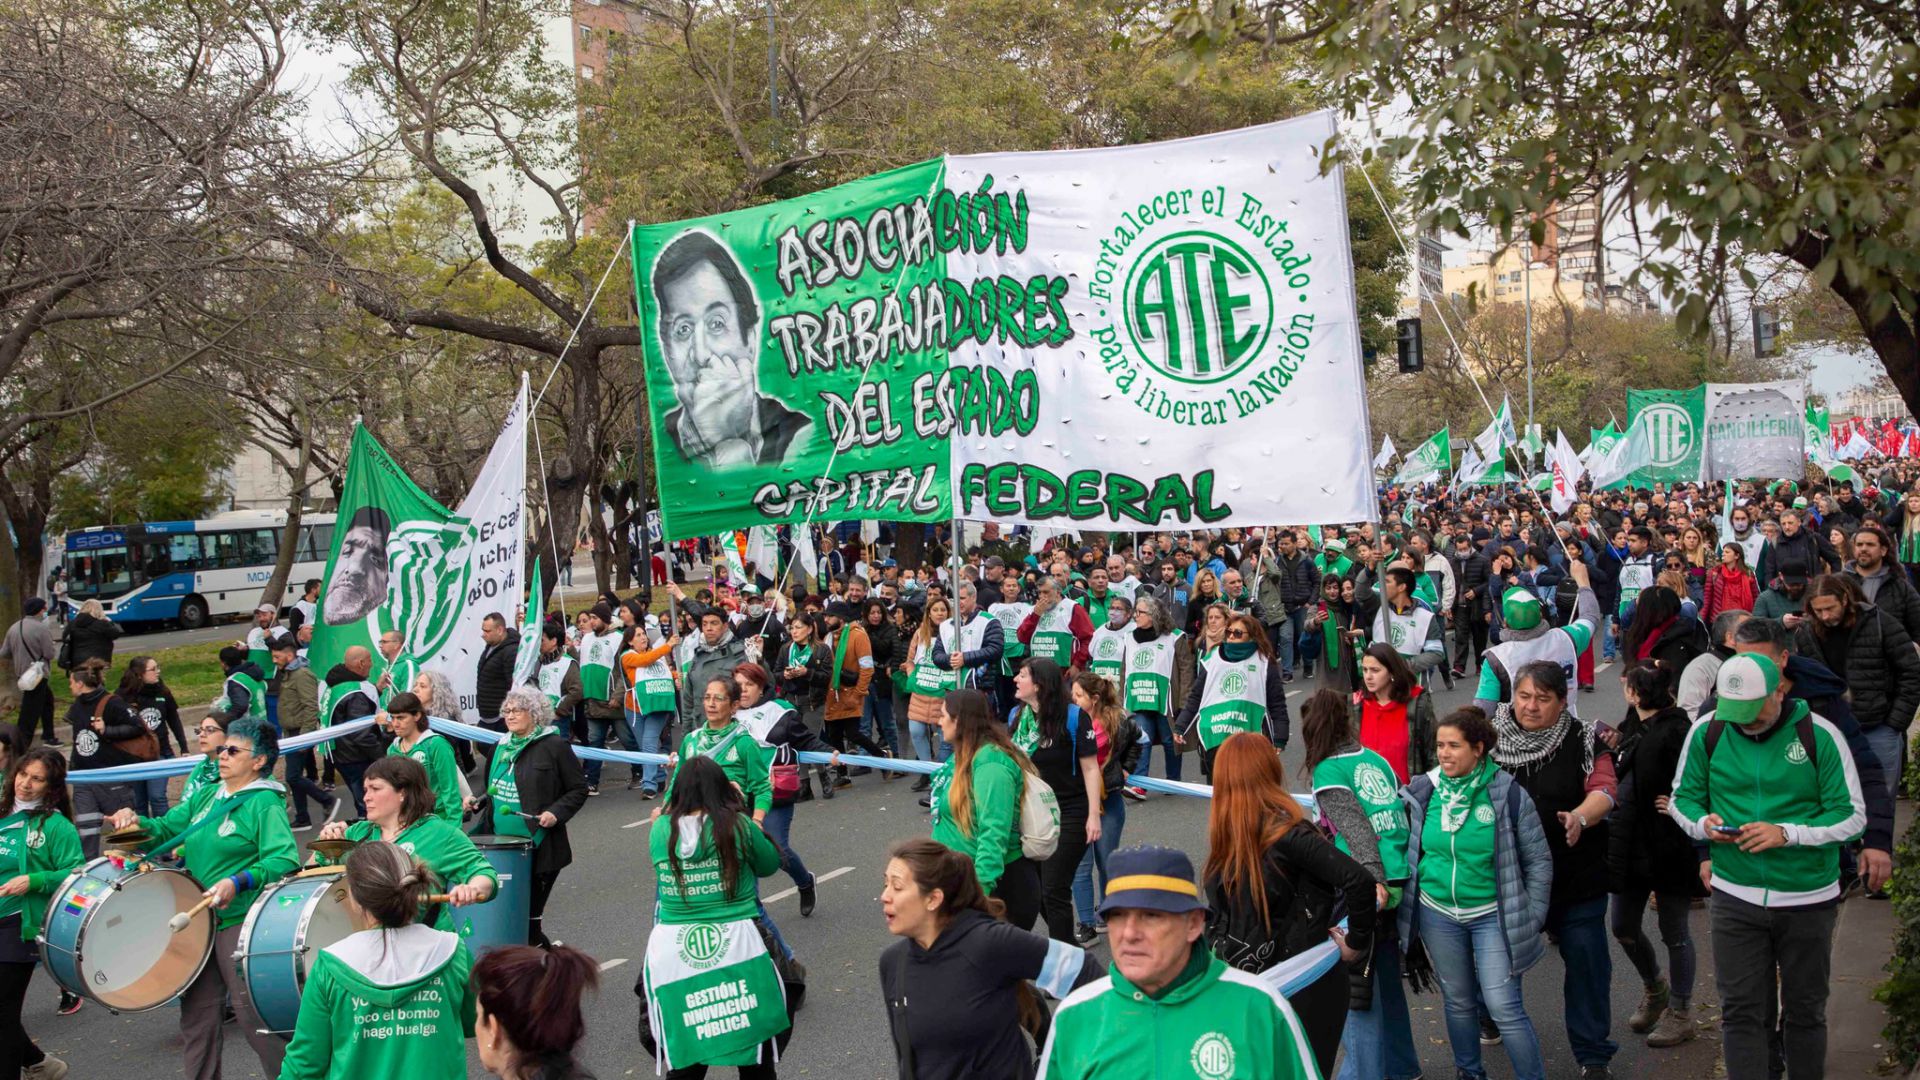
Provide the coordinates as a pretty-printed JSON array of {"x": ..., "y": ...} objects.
[
  {"x": 740, "y": 756},
  {"x": 699, "y": 893},
  {"x": 253, "y": 837},
  {"x": 435, "y": 754},
  {"x": 46, "y": 848},
  {"x": 444, "y": 848}
]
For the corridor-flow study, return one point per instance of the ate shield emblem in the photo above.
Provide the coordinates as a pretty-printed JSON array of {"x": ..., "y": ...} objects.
[
  {"x": 1796, "y": 753},
  {"x": 1212, "y": 1057},
  {"x": 1198, "y": 307},
  {"x": 702, "y": 944},
  {"x": 1372, "y": 786}
]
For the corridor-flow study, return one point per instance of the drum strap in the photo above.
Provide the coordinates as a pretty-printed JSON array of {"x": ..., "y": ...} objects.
[{"x": 214, "y": 817}]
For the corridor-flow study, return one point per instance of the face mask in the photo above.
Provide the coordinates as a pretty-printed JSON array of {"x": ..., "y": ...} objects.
[
  {"x": 1115, "y": 620},
  {"x": 756, "y": 610}
]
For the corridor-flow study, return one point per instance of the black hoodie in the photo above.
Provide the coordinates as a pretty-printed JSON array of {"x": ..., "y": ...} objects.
[
  {"x": 94, "y": 749},
  {"x": 955, "y": 1003}
]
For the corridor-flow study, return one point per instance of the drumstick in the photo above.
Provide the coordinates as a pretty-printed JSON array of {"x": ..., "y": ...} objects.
[
  {"x": 440, "y": 898},
  {"x": 179, "y": 922}
]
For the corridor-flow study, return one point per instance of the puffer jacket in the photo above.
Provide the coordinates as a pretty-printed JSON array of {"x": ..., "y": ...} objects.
[
  {"x": 1893, "y": 594},
  {"x": 1524, "y": 874},
  {"x": 1286, "y": 584},
  {"x": 1881, "y": 668},
  {"x": 1645, "y": 847},
  {"x": 1805, "y": 552},
  {"x": 707, "y": 662}
]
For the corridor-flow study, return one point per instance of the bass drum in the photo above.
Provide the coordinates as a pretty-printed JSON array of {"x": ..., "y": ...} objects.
[
  {"x": 106, "y": 936},
  {"x": 288, "y": 925},
  {"x": 504, "y": 919}
]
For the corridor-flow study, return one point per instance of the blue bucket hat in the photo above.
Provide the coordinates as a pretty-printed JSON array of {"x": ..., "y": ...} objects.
[{"x": 1153, "y": 878}]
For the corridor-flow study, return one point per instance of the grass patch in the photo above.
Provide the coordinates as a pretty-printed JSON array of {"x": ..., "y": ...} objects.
[{"x": 192, "y": 672}]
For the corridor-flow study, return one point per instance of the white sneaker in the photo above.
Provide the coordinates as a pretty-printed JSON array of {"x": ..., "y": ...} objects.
[{"x": 49, "y": 1069}]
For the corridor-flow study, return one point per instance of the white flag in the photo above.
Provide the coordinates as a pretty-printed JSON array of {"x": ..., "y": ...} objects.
[
  {"x": 1499, "y": 433},
  {"x": 1856, "y": 448},
  {"x": 1630, "y": 453},
  {"x": 1385, "y": 457},
  {"x": 1567, "y": 471},
  {"x": 806, "y": 556}
]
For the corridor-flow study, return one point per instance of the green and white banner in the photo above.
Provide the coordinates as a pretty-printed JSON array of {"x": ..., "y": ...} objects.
[
  {"x": 1428, "y": 461},
  {"x": 1129, "y": 338},
  {"x": 1676, "y": 431},
  {"x": 401, "y": 561}
]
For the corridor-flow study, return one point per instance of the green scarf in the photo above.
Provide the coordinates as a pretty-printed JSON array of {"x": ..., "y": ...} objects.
[
  {"x": 1456, "y": 794},
  {"x": 1026, "y": 731},
  {"x": 504, "y": 789},
  {"x": 1330, "y": 641},
  {"x": 839, "y": 657},
  {"x": 1236, "y": 651}
]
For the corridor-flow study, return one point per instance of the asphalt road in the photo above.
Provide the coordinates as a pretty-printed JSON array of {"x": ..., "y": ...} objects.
[{"x": 604, "y": 900}]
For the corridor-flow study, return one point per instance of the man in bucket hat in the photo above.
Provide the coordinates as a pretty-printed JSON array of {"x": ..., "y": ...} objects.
[
  {"x": 1772, "y": 786},
  {"x": 1169, "y": 1007}
]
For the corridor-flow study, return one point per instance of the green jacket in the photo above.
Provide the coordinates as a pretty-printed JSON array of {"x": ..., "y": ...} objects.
[
  {"x": 44, "y": 847},
  {"x": 1770, "y": 779},
  {"x": 1212, "y": 1023},
  {"x": 385, "y": 1003},
  {"x": 742, "y": 758},
  {"x": 995, "y": 788},
  {"x": 254, "y": 838},
  {"x": 435, "y": 754},
  {"x": 699, "y": 894}
]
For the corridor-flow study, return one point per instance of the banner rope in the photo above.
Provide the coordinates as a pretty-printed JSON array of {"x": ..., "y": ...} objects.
[{"x": 585, "y": 314}]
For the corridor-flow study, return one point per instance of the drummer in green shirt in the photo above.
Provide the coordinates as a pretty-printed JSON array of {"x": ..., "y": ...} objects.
[
  {"x": 235, "y": 836},
  {"x": 402, "y": 809},
  {"x": 39, "y": 847}
]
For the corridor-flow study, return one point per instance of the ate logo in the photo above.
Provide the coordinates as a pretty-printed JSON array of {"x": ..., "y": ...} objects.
[
  {"x": 1371, "y": 785},
  {"x": 1109, "y": 649},
  {"x": 1212, "y": 1057},
  {"x": 1796, "y": 753},
  {"x": 703, "y": 944},
  {"x": 1233, "y": 684},
  {"x": 1198, "y": 307},
  {"x": 1670, "y": 431}
]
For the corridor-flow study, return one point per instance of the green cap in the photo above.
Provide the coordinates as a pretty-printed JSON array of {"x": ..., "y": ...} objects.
[
  {"x": 1744, "y": 684},
  {"x": 1520, "y": 608}
]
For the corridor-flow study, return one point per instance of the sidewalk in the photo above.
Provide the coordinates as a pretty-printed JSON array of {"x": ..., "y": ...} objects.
[{"x": 1861, "y": 942}]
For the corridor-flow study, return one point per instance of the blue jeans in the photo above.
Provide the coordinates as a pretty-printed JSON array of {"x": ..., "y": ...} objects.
[
  {"x": 1157, "y": 730},
  {"x": 878, "y": 710},
  {"x": 1379, "y": 1041},
  {"x": 1606, "y": 637},
  {"x": 926, "y": 740},
  {"x": 150, "y": 797},
  {"x": 598, "y": 728},
  {"x": 273, "y": 712},
  {"x": 302, "y": 775},
  {"x": 1113, "y": 820},
  {"x": 1470, "y": 960},
  {"x": 354, "y": 773},
  {"x": 1286, "y": 633},
  {"x": 1581, "y": 927},
  {"x": 1887, "y": 742},
  {"x": 779, "y": 827},
  {"x": 651, "y": 729}
]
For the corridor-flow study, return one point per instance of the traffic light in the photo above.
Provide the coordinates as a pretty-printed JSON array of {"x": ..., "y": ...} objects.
[{"x": 1410, "y": 354}]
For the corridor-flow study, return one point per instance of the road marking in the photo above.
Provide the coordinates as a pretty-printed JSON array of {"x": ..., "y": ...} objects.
[
  {"x": 637, "y": 824},
  {"x": 817, "y": 879},
  {"x": 611, "y": 964},
  {"x": 1293, "y": 693}
]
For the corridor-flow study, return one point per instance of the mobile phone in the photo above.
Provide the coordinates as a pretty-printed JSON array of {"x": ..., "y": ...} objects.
[{"x": 1726, "y": 830}]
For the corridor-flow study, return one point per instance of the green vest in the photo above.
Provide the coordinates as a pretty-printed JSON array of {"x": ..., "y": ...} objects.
[
  {"x": 1053, "y": 635},
  {"x": 1011, "y": 616},
  {"x": 1149, "y": 674},
  {"x": 256, "y": 694},
  {"x": 596, "y": 663},
  {"x": 653, "y": 687},
  {"x": 552, "y": 678},
  {"x": 1234, "y": 698}
]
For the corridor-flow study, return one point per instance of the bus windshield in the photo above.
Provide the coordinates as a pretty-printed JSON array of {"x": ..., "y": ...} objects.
[{"x": 102, "y": 572}]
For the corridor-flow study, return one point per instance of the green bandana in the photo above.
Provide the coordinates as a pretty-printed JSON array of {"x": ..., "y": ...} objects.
[
  {"x": 1026, "y": 731},
  {"x": 839, "y": 656}
]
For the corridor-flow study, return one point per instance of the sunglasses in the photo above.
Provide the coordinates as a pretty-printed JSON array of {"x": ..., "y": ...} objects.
[
  {"x": 232, "y": 751},
  {"x": 1236, "y": 635}
]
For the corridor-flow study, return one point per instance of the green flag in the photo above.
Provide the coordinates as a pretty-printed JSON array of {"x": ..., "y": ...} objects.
[
  {"x": 1676, "y": 425},
  {"x": 1428, "y": 461},
  {"x": 528, "y": 658}
]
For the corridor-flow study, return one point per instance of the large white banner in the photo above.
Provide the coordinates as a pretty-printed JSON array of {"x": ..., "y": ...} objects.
[
  {"x": 1215, "y": 363},
  {"x": 1755, "y": 431}
]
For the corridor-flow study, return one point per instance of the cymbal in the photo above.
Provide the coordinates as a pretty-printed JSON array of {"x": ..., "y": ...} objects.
[
  {"x": 131, "y": 838},
  {"x": 332, "y": 850}
]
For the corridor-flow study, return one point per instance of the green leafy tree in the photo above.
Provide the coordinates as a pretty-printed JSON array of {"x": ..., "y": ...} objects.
[{"x": 1727, "y": 136}]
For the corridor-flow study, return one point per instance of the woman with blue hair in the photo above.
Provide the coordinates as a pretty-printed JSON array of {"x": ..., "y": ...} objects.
[{"x": 236, "y": 840}]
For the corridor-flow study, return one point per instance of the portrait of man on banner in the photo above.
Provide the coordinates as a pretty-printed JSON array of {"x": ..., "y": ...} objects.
[
  {"x": 710, "y": 336},
  {"x": 359, "y": 582}
]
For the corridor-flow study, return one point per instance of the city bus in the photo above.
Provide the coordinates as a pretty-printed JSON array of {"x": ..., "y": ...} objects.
[{"x": 190, "y": 572}]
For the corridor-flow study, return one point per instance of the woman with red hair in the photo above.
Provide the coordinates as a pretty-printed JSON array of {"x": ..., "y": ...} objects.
[{"x": 1276, "y": 888}]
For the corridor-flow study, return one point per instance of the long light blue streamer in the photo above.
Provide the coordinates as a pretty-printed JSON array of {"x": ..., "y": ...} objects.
[
  {"x": 180, "y": 766},
  {"x": 814, "y": 757}
]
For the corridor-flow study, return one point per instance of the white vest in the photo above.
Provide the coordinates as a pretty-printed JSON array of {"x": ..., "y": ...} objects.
[
  {"x": 1234, "y": 698},
  {"x": 1406, "y": 633},
  {"x": 1108, "y": 651},
  {"x": 1554, "y": 646},
  {"x": 1149, "y": 674}
]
